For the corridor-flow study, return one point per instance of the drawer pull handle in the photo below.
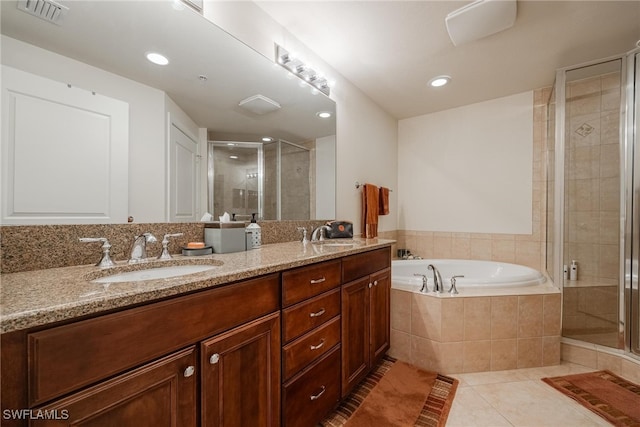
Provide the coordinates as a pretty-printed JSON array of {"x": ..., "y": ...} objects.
[
  {"x": 214, "y": 358},
  {"x": 189, "y": 371},
  {"x": 317, "y": 396},
  {"x": 315, "y": 347},
  {"x": 318, "y": 313},
  {"x": 320, "y": 280}
]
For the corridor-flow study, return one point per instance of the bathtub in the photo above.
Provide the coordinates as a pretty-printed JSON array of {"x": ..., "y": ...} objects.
[
  {"x": 480, "y": 277},
  {"x": 505, "y": 316}
]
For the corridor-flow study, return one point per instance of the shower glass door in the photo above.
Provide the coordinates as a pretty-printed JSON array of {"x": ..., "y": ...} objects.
[
  {"x": 592, "y": 203},
  {"x": 632, "y": 286}
]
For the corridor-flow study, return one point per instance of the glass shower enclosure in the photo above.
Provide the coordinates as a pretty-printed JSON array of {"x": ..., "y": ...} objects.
[
  {"x": 593, "y": 199},
  {"x": 273, "y": 180}
]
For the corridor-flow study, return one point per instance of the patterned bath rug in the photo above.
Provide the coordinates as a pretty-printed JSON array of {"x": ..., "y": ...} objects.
[
  {"x": 608, "y": 395},
  {"x": 396, "y": 394}
]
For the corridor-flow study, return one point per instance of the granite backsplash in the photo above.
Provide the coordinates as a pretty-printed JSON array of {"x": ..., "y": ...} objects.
[{"x": 37, "y": 247}]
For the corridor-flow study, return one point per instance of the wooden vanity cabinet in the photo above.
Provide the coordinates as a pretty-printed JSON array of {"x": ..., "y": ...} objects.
[
  {"x": 311, "y": 342},
  {"x": 241, "y": 376},
  {"x": 162, "y": 393},
  {"x": 119, "y": 368},
  {"x": 365, "y": 314}
]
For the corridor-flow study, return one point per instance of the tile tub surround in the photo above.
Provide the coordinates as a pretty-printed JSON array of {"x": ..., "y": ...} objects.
[
  {"x": 34, "y": 298},
  {"x": 36, "y": 247},
  {"x": 475, "y": 334}
]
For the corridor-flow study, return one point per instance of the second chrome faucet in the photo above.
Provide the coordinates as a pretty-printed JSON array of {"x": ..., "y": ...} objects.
[{"x": 139, "y": 248}]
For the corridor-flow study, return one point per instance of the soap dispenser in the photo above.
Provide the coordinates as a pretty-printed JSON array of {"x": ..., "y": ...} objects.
[{"x": 254, "y": 233}]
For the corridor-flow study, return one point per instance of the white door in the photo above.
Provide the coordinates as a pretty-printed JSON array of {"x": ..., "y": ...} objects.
[
  {"x": 184, "y": 163},
  {"x": 64, "y": 153}
]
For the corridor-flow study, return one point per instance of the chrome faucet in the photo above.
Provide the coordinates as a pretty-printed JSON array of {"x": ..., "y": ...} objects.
[
  {"x": 165, "y": 246},
  {"x": 452, "y": 289},
  {"x": 437, "y": 279},
  {"x": 139, "y": 248},
  {"x": 105, "y": 260},
  {"x": 319, "y": 230},
  {"x": 424, "y": 288}
]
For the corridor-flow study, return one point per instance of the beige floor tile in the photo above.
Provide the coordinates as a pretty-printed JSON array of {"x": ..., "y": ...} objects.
[
  {"x": 480, "y": 378},
  {"x": 533, "y": 403},
  {"x": 469, "y": 409},
  {"x": 565, "y": 368}
]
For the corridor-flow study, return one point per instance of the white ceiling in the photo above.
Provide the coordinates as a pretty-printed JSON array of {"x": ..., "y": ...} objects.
[{"x": 390, "y": 49}]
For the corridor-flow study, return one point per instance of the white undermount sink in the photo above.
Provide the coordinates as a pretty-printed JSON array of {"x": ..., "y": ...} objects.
[{"x": 154, "y": 273}]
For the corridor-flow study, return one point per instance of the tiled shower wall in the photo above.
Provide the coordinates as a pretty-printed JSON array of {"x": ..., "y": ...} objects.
[
  {"x": 525, "y": 249},
  {"x": 592, "y": 207}
]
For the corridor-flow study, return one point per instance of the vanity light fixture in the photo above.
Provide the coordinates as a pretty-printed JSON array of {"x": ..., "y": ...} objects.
[
  {"x": 157, "y": 58},
  {"x": 323, "y": 114},
  {"x": 439, "y": 81},
  {"x": 304, "y": 71}
]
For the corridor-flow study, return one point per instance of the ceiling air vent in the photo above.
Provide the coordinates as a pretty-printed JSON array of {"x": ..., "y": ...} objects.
[
  {"x": 48, "y": 10},
  {"x": 259, "y": 104}
]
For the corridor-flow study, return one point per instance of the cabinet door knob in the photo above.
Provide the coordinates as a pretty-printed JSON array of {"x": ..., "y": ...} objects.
[
  {"x": 315, "y": 347},
  {"x": 214, "y": 358},
  {"x": 189, "y": 371},
  {"x": 317, "y": 396},
  {"x": 375, "y": 283},
  {"x": 370, "y": 285},
  {"x": 320, "y": 280},
  {"x": 318, "y": 313}
]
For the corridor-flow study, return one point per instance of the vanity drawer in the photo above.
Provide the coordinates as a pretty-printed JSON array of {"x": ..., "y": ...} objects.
[
  {"x": 304, "y": 282},
  {"x": 365, "y": 263},
  {"x": 303, "y": 317},
  {"x": 307, "y": 398},
  {"x": 65, "y": 358},
  {"x": 309, "y": 347}
]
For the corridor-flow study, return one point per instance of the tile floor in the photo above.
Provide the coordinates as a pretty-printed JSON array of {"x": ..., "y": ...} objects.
[{"x": 518, "y": 398}]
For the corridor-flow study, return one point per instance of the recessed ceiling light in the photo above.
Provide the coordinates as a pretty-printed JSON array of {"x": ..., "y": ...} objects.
[
  {"x": 439, "y": 81},
  {"x": 267, "y": 139},
  {"x": 157, "y": 58},
  {"x": 230, "y": 144},
  {"x": 233, "y": 157},
  {"x": 323, "y": 114}
]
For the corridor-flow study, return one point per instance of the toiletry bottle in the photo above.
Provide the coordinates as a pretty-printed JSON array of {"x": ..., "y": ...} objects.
[
  {"x": 573, "y": 270},
  {"x": 255, "y": 233}
]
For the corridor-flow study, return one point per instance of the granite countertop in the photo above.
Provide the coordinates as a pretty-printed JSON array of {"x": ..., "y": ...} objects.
[{"x": 40, "y": 297}]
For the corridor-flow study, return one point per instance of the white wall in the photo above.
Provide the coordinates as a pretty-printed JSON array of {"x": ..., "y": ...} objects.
[
  {"x": 366, "y": 135},
  {"x": 468, "y": 169},
  {"x": 146, "y": 117}
]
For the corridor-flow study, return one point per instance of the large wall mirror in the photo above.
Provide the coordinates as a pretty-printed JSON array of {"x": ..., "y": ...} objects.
[{"x": 219, "y": 128}]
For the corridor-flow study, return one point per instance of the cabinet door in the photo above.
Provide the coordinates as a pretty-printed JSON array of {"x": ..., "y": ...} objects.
[
  {"x": 380, "y": 324},
  {"x": 355, "y": 332},
  {"x": 241, "y": 376},
  {"x": 162, "y": 393}
]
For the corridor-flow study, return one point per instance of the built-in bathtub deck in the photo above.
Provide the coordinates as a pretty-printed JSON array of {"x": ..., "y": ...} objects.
[{"x": 480, "y": 329}]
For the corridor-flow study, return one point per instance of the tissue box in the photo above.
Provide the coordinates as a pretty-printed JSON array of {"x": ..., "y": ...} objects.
[{"x": 225, "y": 237}]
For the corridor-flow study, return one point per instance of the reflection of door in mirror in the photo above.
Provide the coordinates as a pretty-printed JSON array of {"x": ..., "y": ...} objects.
[
  {"x": 183, "y": 176},
  {"x": 64, "y": 151},
  {"x": 235, "y": 179}
]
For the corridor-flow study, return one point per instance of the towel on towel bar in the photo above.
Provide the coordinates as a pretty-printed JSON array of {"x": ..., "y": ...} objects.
[
  {"x": 384, "y": 201},
  {"x": 370, "y": 208}
]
